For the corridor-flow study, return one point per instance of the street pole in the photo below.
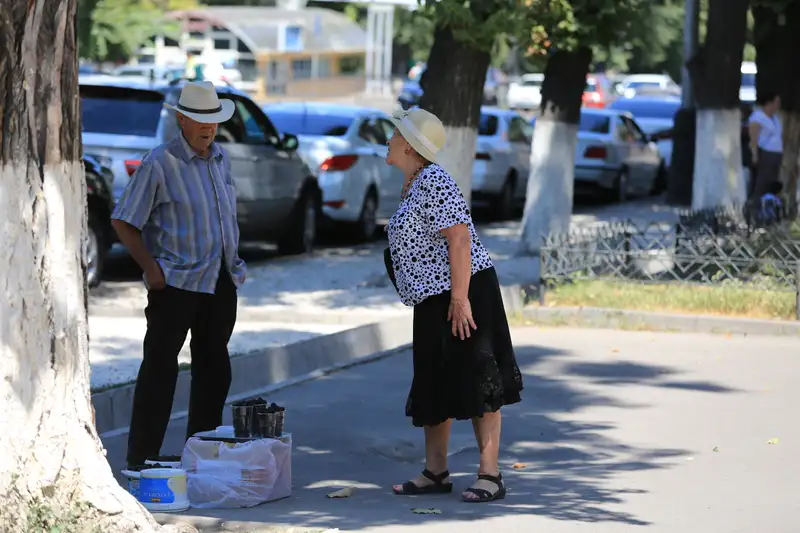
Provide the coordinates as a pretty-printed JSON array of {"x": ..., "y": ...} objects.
[{"x": 691, "y": 36}]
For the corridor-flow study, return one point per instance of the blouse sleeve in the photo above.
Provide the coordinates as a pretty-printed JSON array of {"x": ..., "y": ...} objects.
[{"x": 443, "y": 205}]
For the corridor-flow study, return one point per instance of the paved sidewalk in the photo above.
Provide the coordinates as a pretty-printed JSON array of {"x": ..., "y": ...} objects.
[{"x": 618, "y": 430}]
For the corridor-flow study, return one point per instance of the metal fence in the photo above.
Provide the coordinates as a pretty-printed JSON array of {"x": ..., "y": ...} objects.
[{"x": 726, "y": 246}]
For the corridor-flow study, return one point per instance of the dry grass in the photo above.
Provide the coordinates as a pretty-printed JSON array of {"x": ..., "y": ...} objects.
[{"x": 722, "y": 300}]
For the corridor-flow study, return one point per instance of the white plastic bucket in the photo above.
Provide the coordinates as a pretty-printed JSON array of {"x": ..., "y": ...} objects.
[{"x": 163, "y": 489}]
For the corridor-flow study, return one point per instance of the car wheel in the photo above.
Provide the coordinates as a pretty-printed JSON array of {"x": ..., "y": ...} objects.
[
  {"x": 621, "y": 186},
  {"x": 504, "y": 204},
  {"x": 96, "y": 251},
  {"x": 302, "y": 227},
  {"x": 660, "y": 182},
  {"x": 368, "y": 221}
]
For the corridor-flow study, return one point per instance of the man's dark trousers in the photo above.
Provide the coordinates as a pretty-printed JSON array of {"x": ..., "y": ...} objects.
[{"x": 170, "y": 314}]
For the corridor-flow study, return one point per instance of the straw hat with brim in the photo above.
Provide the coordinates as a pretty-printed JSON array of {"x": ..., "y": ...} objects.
[
  {"x": 199, "y": 102},
  {"x": 423, "y": 131}
]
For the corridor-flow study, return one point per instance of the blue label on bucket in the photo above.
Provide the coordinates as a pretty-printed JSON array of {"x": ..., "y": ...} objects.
[{"x": 155, "y": 490}]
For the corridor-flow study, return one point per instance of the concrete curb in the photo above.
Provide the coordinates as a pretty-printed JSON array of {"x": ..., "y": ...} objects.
[
  {"x": 627, "y": 319},
  {"x": 270, "y": 369}
]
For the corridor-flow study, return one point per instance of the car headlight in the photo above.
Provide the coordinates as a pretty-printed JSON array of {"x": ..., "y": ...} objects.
[{"x": 103, "y": 160}]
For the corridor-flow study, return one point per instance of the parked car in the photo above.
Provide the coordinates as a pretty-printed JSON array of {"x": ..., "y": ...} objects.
[
  {"x": 100, "y": 204},
  {"x": 527, "y": 92},
  {"x": 615, "y": 155},
  {"x": 346, "y": 146},
  {"x": 502, "y": 161},
  {"x": 278, "y": 196},
  {"x": 656, "y": 117},
  {"x": 632, "y": 84},
  {"x": 598, "y": 92},
  {"x": 412, "y": 90}
]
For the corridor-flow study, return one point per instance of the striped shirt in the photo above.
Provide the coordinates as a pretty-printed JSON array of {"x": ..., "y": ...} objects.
[{"x": 185, "y": 207}]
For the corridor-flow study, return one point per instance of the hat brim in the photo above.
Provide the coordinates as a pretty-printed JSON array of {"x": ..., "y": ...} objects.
[
  {"x": 412, "y": 140},
  {"x": 223, "y": 115}
]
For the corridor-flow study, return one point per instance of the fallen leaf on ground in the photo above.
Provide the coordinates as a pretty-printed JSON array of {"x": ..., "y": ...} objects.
[
  {"x": 615, "y": 350},
  {"x": 773, "y": 441},
  {"x": 430, "y": 510},
  {"x": 519, "y": 465},
  {"x": 716, "y": 449},
  {"x": 342, "y": 493}
]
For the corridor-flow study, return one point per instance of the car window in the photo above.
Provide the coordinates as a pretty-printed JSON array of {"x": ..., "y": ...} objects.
[
  {"x": 594, "y": 123},
  {"x": 488, "y": 126},
  {"x": 257, "y": 127},
  {"x": 120, "y": 110},
  {"x": 310, "y": 123},
  {"x": 371, "y": 132},
  {"x": 624, "y": 131},
  {"x": 387, "y": 127},
  {"x": 635, "y": 129}
]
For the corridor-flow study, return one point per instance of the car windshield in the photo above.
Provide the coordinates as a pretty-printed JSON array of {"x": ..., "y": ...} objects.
[
  {"x": 487, "y": 126},
  {"x": 594, "y": 123},
  {"x": 299, "y": 123},
  {"x": 665, "y": 109},
  {"x": 120, "y": 110},
  {"x": 748, "y": 80},
  {"x": 532, "y": 83},
  {"x": 591, "y": 86},
  {"x": 638, "y": 84}
]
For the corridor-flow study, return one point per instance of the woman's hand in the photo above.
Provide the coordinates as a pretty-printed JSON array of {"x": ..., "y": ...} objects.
[{"x": 460, "y": 312}]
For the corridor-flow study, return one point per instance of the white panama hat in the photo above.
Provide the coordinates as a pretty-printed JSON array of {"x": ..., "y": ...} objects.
[
  {"x": 423, "y": 131},
  {"x": 199, "y": 102}
]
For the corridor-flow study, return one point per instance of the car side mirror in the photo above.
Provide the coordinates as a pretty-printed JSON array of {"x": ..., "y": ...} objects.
[{"x": 290, "y": 142}]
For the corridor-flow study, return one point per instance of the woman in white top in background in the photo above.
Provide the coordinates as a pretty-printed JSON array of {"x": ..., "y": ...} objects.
[{"x": 766, "y": 144}]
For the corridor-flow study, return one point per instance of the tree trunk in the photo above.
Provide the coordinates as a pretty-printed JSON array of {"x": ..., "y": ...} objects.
[
  {"x": 53, "y": 474},
  {"x": 548, "y": 202},
  {"x": 453, "y": 91},
  {"x": 716, "y": 78}
]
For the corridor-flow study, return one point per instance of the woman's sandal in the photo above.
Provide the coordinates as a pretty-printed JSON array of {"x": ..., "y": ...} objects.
[
  {"x": 438, "y": 487},
  {"x": 484, "y": 495}
]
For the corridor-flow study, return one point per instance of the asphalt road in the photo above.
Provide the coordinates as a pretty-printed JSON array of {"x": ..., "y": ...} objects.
[{"x": 618, "y": 431}]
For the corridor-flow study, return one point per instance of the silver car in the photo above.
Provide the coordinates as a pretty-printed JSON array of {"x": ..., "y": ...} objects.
[
  {"x": 278, "y": 196},
  {"x": 502, "y": 161},
  {"x": 614, "y": 154},
  {"x": 346, "y": 147}
]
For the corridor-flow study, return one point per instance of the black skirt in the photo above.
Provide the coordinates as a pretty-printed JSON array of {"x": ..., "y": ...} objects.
[{"x": 463, "y": 379}]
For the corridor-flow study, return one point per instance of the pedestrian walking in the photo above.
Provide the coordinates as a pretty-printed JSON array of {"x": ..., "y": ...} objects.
[
  {"x": 766, "y": 144},
  {"x": 464, "y": 362},
  {"x": 177, "y": 218}
]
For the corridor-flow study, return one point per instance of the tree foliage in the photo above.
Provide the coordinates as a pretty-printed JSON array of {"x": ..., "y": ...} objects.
[{"x": 115, "y": 29}]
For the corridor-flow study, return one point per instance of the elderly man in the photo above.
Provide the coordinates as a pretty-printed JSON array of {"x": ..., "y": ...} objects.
[{"x": 177, "y": 218}]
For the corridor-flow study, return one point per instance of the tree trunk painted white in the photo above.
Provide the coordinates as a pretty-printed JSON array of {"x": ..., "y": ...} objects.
[
  {"x": 53, "y": 473},
  {"x": 548, "y": 202},
  {"x": 718, "y": 173},
  {"x": 458, "y": 157}
]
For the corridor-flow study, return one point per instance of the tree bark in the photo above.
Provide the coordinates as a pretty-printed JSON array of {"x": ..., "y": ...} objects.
[
  {"x": 53, "y": 473},
  {"x": 548, "y": 202},
  {"x": 453, "y": 91},
  {"x": 716, "y": 78}
]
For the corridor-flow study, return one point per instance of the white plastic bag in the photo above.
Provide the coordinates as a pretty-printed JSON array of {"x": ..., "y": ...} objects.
[{"x": 227, "y": 475}]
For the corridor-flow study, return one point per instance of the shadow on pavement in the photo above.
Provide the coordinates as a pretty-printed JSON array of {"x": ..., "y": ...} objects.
[{"x": 349, "y": 429}]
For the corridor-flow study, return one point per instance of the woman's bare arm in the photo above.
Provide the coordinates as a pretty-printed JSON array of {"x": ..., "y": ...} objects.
[{"x": 460, "y": 251}]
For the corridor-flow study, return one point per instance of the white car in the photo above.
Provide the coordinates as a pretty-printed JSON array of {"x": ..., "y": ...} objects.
[
  {"x": 635, "y": 83},
  {"x": 346, "y": 147},
  {"x": 526, "y": 93},
  {"x": 502, "y": 161}
]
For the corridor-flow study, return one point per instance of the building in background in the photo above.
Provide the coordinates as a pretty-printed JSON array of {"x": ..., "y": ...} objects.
[{"x": 270, "y": 52}]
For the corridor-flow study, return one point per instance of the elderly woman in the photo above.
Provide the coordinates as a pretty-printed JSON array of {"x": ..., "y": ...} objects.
[{"x": 464, "y": 363}]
